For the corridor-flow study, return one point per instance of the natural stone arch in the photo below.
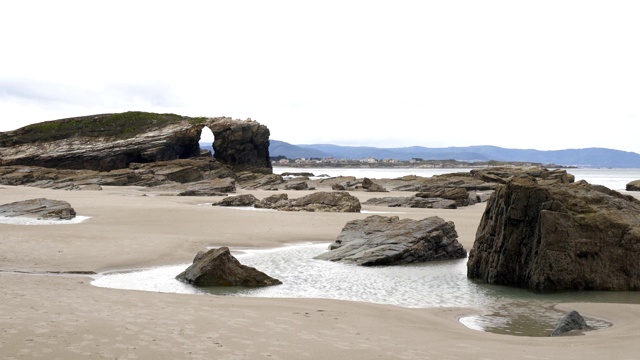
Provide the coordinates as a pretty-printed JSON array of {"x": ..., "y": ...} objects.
[{"x": 113, "y": 141}]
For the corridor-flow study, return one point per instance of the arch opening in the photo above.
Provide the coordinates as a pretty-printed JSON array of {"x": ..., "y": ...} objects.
[{"x": 206, "y": 140}]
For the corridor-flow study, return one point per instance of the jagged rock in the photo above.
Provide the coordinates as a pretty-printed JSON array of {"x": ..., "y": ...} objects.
[
  {"x": 272, "y": 202},
  {"x": 633, "y": 186},
  {"x": 571, "y": 322},
  {"x": 370, "y": 186},
  {"x": 338, "y": 187},
  {"x": 322, "y": 201},
  {"x": 299, "y": 185},
  {"x": 387, "y": 240},
  {"x": 239, "y": 200},
  {"x": 40, "y": 208},
  {"x": 558, "y": 237},
  {"x": 113, "y": 141},
  {"x": 217, "y": 267}
]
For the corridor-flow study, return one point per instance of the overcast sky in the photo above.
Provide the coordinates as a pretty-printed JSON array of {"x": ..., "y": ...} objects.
[{"x": 541, "y": 75}]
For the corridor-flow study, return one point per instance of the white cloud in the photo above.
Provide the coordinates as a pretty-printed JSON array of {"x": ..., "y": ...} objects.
[{"x": 544, "y": 75}]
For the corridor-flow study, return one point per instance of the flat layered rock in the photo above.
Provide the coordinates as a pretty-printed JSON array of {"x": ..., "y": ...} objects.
[
  {"x": 388, "y": 240},
  {"x": 40, "y": 208}
]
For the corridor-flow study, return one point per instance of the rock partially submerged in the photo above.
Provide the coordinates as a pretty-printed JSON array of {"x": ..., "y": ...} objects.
[
  {"x": 387, "y": 240},
  {"x": 40, "y": 208},
  {"x": 558, "y": 237},
  {"x": 217, "y": 267},
  {"x": 571, "y": 322}
]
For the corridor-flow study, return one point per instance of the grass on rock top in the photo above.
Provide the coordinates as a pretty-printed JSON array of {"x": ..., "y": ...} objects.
[{"x": 118, "y": 126}]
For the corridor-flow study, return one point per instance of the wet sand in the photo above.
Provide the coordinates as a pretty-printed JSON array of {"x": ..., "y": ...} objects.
[{"x": 64, "y": 317}]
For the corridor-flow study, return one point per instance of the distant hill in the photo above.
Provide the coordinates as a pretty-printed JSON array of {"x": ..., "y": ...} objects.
[{"x": 590, "y": 157}]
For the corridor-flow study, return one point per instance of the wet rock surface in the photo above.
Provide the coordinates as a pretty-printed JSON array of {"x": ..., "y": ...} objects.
[{"x": 387, "y": 240}]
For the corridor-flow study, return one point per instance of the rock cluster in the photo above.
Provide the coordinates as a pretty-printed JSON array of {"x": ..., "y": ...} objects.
[
  {"x": 387, "y": 240},
  {"x": 561, "y": 237},
  {"x": 320, "y": 201},
  {"x": 40, "y": 208}
]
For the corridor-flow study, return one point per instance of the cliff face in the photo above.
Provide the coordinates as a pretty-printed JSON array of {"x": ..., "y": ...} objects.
[{"x": 113, "y": 141}]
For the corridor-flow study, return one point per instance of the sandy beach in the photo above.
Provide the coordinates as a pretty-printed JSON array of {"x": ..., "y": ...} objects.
[{"x": 62, "y": 316}]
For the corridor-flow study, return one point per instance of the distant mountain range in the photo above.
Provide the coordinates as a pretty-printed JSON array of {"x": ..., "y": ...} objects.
[{"x": 589, "y": 157}]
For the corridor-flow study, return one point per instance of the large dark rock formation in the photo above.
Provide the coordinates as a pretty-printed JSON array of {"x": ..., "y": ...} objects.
[
  {"x": 571, "y": 322},
  {"x": 555, "y": 237},
  {"x": 40, "y": 209},
  {"x": 113, "y": 141},
  {"x": 217, "y": 267},
  {"x": 382, "y": 240}
]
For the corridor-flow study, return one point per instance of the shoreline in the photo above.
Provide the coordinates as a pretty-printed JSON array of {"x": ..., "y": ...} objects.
[{"x": 67, "y": 317}]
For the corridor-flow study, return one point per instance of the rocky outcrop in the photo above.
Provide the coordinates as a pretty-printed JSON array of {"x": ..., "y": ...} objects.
[
  {"x": 176, "y": 175},
  {"x": 315, "y": 202},
  {"x": 571, "y": 322},
  {"x": 217, "y": 267},
  {"x": 412, "y": 202},
  {"x": 558, "y": 237},
  {"x": 113, "y": 141},
  {"x": 238, "y": 200},
  {"x": 323, "y": 201},
  {"x": 371, "y": 186},
  {"x": 40, "y": 209},
  {"x": 633, "y": 186},
  {"x": 382, "y": 240}
]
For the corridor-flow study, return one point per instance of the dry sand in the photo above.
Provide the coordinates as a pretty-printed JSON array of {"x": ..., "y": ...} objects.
[{"x": 64, "y": 317}]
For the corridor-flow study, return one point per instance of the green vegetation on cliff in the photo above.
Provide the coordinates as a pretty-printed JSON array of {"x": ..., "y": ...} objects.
[{"x": 116, "y": 126}]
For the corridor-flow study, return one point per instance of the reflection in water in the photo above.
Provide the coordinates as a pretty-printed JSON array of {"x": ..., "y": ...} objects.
[{"x": 437, "y": 284}]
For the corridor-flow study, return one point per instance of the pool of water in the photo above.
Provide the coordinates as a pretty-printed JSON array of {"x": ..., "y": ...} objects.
[{"x": 437, "y": 284}]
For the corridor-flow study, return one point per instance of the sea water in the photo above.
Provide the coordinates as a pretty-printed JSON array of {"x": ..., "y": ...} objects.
[
  {"x": 615, "y": 179},
  {"x": 497, "y": 309}
]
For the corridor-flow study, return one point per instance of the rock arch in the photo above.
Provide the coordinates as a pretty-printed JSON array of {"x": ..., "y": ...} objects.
[{"x": 113, "y": 141}]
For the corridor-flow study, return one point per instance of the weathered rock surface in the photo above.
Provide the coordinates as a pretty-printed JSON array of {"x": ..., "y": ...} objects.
[
  {"x": 217, "y": 267},
  {"x": 195, "y": 173},
  {"x": 558, "y": 237},
  {"x": 371, "y": 186},
  {"x": 114, "y": 141},
  {"x": 40, "y": 208},
  {"x": 273, "y": 202},
  {"x": 571, "y": 322},
  {"x": 322, "y": 201},
  {"x": 383, "y": 240},
  {"x": 238, "y": 200},
  {"x": 633, "y": 186},
  {"x": 412, "y": 202}
]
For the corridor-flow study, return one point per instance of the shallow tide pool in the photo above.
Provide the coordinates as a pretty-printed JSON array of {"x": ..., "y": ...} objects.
[{"x": 438, "y": 284}]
